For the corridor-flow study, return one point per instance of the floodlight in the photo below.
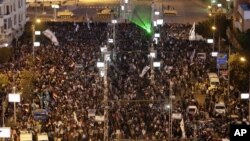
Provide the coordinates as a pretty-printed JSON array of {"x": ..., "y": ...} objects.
[
  {"x": 37, "y": 32},
  {"x": 210, "y": 41},
  {"x": 214, "y": 54},
  {"x": 157, "y": 35},
  {"x": 122, "y": 8},
  {"x": 157, "y": 64},
  {"x": 114, "y": 21},
  {"x": 36, "y": 44},
  {"x": 159, "y": 22},
  {"x": 55, "y": 6},
  {"x": 244, "y": 96},
  {"x": 157, "y": 13},
  {"x": 219, "y": 5},
  {"x": 14, "y": 97},
  {"x": 152, "y": 54},
  {"x": 100, "y": 65},
  {"x": 110, "y": 40}
]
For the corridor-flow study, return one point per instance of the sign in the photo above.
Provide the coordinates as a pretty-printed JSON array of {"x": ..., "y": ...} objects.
[
  {"x": 222, "y": 61},
  {"x": 4, "y": 132},
  {"x": 244, "y": 96},
  {"x": 14, "y": 97}
]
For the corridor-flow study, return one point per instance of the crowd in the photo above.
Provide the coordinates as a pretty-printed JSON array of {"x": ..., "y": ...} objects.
[{"x": 137, "y": 107}]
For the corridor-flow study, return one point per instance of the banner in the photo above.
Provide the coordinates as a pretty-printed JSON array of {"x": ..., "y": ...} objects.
[
  {"x": 192, "y": 33},
  {"x": 192, "y": 56},
  {"x": 144, "y": 71},
  {"x": 182, "y": 128},
  {"x": 49, "y": 34}
]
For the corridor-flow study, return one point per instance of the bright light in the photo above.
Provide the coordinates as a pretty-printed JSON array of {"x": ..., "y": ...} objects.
[
  {"x": 210, "y": 41},
  {"x": 157, "y": 64},
  {"x": 14, "y": 97},
  {"x": 110, "y": 40},
  {"x": 214, "y": 54},
  {"x": 37, "y": 32},
  {"x": 213, "y": 27},
  {"x": 244, "y": 96},
  {"x": 156, "y": 40},
  {"x": 168, "y": 106},
  {"x": 219, "y": 5},
  {"x": 36, "y": 44},
  {"x": 152, "y": 54},
  {"x": 114, "y": 21},
  {"x": 5, "y": 132},
  {"x": 102, "y": 72},
  {"x": 103, "y": 49},
  {"x": 157, "y": 35},
  {"x": 210, "y": 14},
  {"x": 155, "y": 23},
  {"x": 38, "y": 20},
  {"x": 209, "y": 7},
  {"x": 242, "y": 59},
  {"x": 126, "y": 1},
  {"x": 55, "y": 6},
  {"x": 100, "y": 65},
  {"x": 228, "y": 0},
  {"x": 157, "y": 13},
  {"x": 122, "y": 7},
  {"x": 213, "y": 1},
  {"x": 159, "y": 22},
  {"x": 6, "y": 44}
]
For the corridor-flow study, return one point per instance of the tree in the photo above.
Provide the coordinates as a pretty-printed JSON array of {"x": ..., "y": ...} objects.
[
  {"x": 5, "y": 54},
  {"x": 3, "y": 80}
]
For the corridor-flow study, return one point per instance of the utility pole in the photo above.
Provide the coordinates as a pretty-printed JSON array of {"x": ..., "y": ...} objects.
[{"x": 105, "y": 101}]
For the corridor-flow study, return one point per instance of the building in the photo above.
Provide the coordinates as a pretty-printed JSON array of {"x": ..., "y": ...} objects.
[
  {"x": 242, "y": 15},
  {"x": 12, "y": 20}
]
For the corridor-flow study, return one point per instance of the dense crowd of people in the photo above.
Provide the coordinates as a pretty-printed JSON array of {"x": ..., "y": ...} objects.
[{"x": 67, "y": 84}]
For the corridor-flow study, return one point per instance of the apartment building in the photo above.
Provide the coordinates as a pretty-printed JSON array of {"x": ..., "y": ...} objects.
[
  {"x": 242, "y": 15},
  {"x": 12, "y": 20}
]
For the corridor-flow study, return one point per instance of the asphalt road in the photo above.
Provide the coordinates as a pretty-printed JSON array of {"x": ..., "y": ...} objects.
[{"x": 189, "y": 11}]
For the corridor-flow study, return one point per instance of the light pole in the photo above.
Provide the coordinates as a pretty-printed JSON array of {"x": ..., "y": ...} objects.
[
  {"x": 14, "y": 97},
  {"x": 213, "y": 28},
  {"x": 103, "y": 66},
  {"x": 34, "y": 33},
  {"x": 55, "y": 6},
  {"x": 243, "y": 59}
]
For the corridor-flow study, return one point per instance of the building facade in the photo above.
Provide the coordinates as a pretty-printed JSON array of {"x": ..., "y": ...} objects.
[
  {"x": 242, "y": 15},
  {"x": 12, "y": 20}
]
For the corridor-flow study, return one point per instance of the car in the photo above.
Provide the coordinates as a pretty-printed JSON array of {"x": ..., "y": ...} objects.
[
  {"x": 219, "y": 109},
  {"x": 192, "y": 109}
]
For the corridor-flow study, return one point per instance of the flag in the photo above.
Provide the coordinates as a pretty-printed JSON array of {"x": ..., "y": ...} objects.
[
  {"x": 182, "y": 128},
  {"x": 192, "y": 56},
  {"x": 77, "y": 27},
  {"x": 144, "y": 71},
  {"x": 75, "y": 117},
  {"x": 49, "y": 34},
  {"x": 192, "y": 36},
  {"x": 88, "y": 21}
]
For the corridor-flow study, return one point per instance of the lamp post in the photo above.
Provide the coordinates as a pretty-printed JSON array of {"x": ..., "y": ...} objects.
[
  {"x": 243, "y": 59},
  {"x": 34, "y": 33},
  {"x": 14, "y": 97},
  {"x": 103, "y": 66},
  {"x": 55, "y": 6},
  {"x": 213, "y": 28}
]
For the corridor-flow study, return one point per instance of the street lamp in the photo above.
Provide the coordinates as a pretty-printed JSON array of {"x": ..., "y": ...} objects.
[
  {"x": 213, "y": 28},
  {"x": 55, "y": 6},
  {"x": 34, "y": 33},
  {"x": 14, "y": 97},
  {"x": 243, "y": 59}
]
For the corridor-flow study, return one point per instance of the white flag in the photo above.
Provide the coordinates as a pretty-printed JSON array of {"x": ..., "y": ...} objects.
[
  {"x": 75, "y": 117},
  {"x": 49, "y": 34},
  {"x": 77, "y": 27},
  {"x": 88, "y": 21},
  {"x": 192, "y": 36},
  {"x": 144, "y": 71},
  {"x": 192, "y": 55},
  {"x": 182, "y": 128}
]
